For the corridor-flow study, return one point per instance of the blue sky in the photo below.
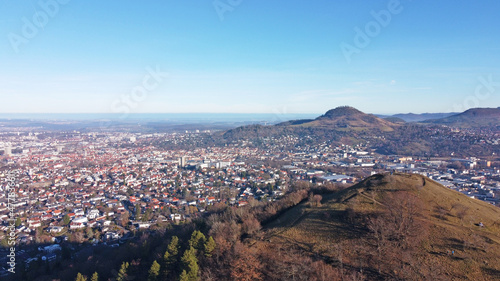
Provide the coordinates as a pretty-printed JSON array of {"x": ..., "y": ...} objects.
[{"x": 254, "y": 57}]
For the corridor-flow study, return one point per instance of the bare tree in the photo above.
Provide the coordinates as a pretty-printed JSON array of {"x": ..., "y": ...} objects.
[
  {"x": 380, "y": 233},
  {"x": 317, "y": 200},
  {"x": 403, "y": 210},
  {"x": 250, "y": 225},
  {"x": 460, "y": 210}
]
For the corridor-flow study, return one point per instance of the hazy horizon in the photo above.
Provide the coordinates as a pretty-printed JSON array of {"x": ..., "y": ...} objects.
[{"x": 213, "y": 117}]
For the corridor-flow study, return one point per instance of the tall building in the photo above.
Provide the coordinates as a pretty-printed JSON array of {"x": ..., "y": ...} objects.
[
  {"x": 8, "y": 151},
  {"x": 182, "y": 161}
]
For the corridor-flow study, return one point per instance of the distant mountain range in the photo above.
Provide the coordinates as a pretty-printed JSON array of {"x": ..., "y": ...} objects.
[
  {"x": 412, "y": 117},
  {"x": 483, "y": 117}
]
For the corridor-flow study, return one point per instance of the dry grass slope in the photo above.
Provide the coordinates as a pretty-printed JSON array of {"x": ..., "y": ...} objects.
[{"x": 452, "y": 221}]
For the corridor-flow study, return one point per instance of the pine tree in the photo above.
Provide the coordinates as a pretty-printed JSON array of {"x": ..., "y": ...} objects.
[
  {"x": 173, "y": 247},
  {"x": 209, "y": 246},
  {"x": 183, "y": 276},
  {"x": 197, "y": 240},
  {"x": 137, "y": 211},
  {"x": 146, "y": 215},
  {"x": 190, "y": 264},
  {"x": 80, "y": 277},
  {"x": 122, "y": 274},
  {"x": 166, "y": 264},
  {"x": 66, "y": 219},
  {"x": 154, "y": 271},
  {"x": 95, "y": 277},
  {"x": 18, "y": 222},
  {"x": 170, "y": 257}
]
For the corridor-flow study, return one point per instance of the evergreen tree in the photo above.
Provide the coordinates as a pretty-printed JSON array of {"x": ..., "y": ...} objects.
[
  {"x": 183, "y": 276},
  {"x": 95, "y": 277},
  {"x": 80, "y": 277},
  {"x": 166, "y": 264},
  {"x": 197, "y": 240},
  {"x": 170, "y": 257},
  {"x": 137, "y": 211},
  {"x": 66, "y": 219},
  {"x": 122, "y": 274},
  {"x": 154, "y": 271},
  {"x": 146, "y": 216},
  {"x": 190, "y": 264},
  {"x": 5, "y": 242},
  {"x": 209, "y": 246},
  {"x": 18, "y": 222},
  {"x": 173, "y": 247}
]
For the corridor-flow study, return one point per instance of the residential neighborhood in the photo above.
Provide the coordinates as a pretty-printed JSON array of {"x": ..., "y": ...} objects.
[{"x": 101, "y": 188}]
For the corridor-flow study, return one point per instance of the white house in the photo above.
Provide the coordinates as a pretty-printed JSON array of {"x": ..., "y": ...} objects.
[
  {"x": 54, "y": 229},
  {"x": 81, "y": 219},
  {"x": 76, "y": 225},
  {"x": 92, "y": 214}
]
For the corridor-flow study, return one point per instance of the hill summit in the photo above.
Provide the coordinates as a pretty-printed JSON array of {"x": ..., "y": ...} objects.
[
  {"x": 481, "y": 112},
  {"x": 349, "y": 118},
  {"x": 474, "y": 117},
  {"x": 341, "y": 111},
  {"x": 397, "y": 227},
  {"x": 346, "y": 118}
]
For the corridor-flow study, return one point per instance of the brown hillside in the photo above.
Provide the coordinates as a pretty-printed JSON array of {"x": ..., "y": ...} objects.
[
  {"x": 401, "y": 226},
  {"x": 349, "y": 118}
]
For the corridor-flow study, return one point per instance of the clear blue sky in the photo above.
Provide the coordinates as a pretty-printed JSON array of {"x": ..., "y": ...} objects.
[{"x": 260, "y": 56}]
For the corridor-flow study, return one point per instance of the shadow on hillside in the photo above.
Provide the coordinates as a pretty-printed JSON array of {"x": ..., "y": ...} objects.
[
  {"x": 491, "y": 272},
  {"x": 346, "y": 229},
  {"x": 327, "y": 224},
  {"x": 438, "y": 253},
  {"x": 455, "y": 244}
]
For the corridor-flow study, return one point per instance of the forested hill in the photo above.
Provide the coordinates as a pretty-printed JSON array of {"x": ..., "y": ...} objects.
[{"x": 472, "y": 118}]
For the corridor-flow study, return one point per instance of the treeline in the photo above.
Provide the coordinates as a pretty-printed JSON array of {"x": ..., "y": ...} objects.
[{"x": 217, "y": 248}]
